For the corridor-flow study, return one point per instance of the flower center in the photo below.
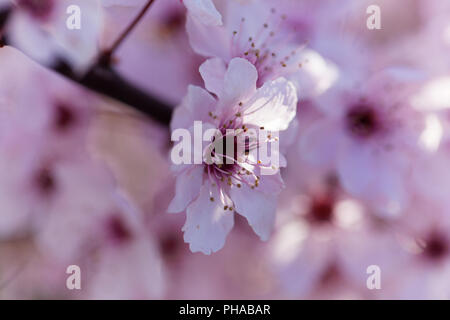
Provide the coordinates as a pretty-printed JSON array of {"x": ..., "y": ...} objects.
[
  {"x": 170, "y": 246},
  {"x": 229, "y": 151},
  {"x": 65, "y": 118},
  {"x": 321, "y": 209},
  {"x": 45, "y": 181},
  {"x": 172, "y": 23},
  {"x": 117, "y": 230},
  {"x": 362, "y": 121},
  {"x": 270, "y": 49},
  {"x": 436, "y": 247},
  {"x": 229, "y": 159}
]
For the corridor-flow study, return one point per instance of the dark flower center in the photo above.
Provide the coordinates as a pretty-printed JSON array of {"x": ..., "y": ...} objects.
[
  {"x": 175, "y": 20},
  {"x": 172, "y": 23},
  {"x": 436, "y": 247},
  {"x": 170, "y": 245},
  {"x": 117, "y": 230},
  {"x": 226, "y": 149},
  {"x": 65, "y": 118},
  {"x": 330, "y": 275},
  {"x": 45, "y": 181},
  {"x": 362, "y": 121},
  {"x": 321, "y": 209}
]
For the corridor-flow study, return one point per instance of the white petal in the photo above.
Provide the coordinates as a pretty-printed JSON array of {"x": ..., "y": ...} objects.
[
  {"x": 195, "y": 106},
  {"x": 273, "y": 107},
  {"x": 208, "y": 41},
  {"x": 204, "y": 11},
  {"x": 187, "y": 188},
  {"x": 240, "y": 80},
  {"x": 258, "y": 208},
  {"x": 207, "y": 223},
  {"x": 316, "y": 76},
  {"x": 213, "y": 73},
  {"x": 271, "y": 184}
]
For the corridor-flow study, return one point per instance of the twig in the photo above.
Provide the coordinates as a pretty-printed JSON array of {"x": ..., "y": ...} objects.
[
  {"x": 107, "y": 82},
  {"x": 105, "y": 58}
]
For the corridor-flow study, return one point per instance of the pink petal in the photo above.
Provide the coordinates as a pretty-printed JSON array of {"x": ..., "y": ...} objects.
[
  {"x": 240, "y": 81},
  {"x": 318, "y": 143},
  {"x": 389, "y": 190},
  {"x": 271, "y": 184},
  {"x": 195, "y": 106},
  {"x": 208, "y": 41},
  {"x": 258, "y": 208},
  {"x": 355, "y": 167},
  {"x": 273, "y": 107},
  {"x": 207, "y": 223},
  {"x": 187, "y": 188},
  {"x": 204, "y": 11},
  {"x": 213, "y": 72}
]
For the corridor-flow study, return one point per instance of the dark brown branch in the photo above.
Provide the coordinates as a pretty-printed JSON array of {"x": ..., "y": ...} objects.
[
  {"x": 4, "y": 15},
  {"x": 107, "y": 82}
]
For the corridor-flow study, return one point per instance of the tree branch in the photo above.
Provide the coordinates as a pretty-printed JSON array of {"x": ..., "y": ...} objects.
[
  {"x": 107, "y": 82},
  {"x": 105, "y": 58}
]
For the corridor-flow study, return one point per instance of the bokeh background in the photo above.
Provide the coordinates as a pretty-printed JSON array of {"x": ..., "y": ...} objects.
[{"x": 86, "y": 180}]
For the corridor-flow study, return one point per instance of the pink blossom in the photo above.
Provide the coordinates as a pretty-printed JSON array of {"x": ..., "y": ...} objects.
[
  {"x": 325, "y": 240},
  {"x": 214, "y": 191},
  {"x": 369, "y": 136},
  {"x": 263, "y": 33}
]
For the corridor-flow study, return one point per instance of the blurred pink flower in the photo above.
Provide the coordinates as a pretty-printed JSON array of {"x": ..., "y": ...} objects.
[
  {"x": 126, "y": 263},
  {"x": 38, "y": 28},
  {"x": 42, "y": 131},
  {"x": 370, "y": 135}
]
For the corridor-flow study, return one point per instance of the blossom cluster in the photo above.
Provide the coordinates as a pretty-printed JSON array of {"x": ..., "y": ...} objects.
[{"x": 355, "y": 119}]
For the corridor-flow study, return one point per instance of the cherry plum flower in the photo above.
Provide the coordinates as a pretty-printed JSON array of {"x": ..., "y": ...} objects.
[
  {"x": 262, "y": 33},
  {"x": 211, "y": 190},
  {"x": 369, "y": 135},
  {"x": 325, "y": 240},
  {"x": 45, "y": 160},
  {"x": 122, "y": 238},
  {"x": 41, "y": 130},
  {"x": 49, "y": 178},
  {"x": 423, "y": 235}
]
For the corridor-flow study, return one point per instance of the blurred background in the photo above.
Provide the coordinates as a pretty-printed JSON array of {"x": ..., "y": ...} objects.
[{"x": 85, "y": 180}]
